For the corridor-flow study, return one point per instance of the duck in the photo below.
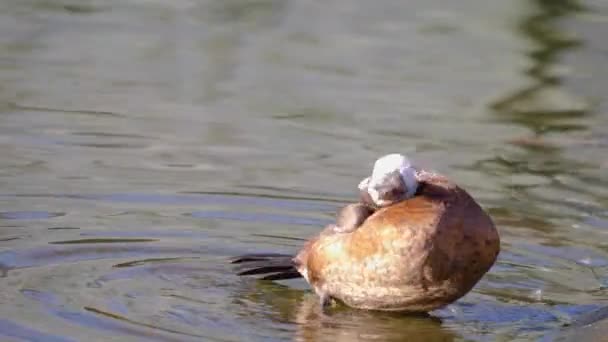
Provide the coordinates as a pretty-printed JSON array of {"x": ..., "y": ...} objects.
[{"x": 414, "y": 242}]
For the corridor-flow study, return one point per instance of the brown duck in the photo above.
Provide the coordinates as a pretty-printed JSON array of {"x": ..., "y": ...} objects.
[{"x": 413, "y": 245}]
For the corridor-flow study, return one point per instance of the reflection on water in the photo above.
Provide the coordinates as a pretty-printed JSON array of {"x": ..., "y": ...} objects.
[
  {"x": 544, "y": 106},
  {"x": 284, "y": 305},
  {"x": 143, "y": 143}
]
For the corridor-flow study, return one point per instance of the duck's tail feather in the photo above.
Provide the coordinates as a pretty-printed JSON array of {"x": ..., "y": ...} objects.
[{"x": 273, "y": 266}]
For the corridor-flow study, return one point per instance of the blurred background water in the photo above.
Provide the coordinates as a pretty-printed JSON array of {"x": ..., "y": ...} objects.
[{"x": 144, "y": 141}]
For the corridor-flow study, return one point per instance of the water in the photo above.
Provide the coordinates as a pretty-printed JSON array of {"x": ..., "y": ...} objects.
[{"x": 144, "y": 142}]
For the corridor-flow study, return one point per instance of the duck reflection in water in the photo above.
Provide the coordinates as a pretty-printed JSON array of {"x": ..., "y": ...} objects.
[
  {"x": 300, "y": 310},
  {"x": 415, "y": 242}
]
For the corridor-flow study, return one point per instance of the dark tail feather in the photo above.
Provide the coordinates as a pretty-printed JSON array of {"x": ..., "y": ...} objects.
[
  {"x": 257, "y": 256},
  {"x": 274, "y": 266},
  {"x": 283, "y": 275}
]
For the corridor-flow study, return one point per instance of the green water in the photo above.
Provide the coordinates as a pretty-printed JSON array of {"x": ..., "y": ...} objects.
[{"x": 144, "y": 142}]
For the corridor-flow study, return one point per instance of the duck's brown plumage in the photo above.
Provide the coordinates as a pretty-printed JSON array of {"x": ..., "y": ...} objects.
[{"x": 416, "y": 255}]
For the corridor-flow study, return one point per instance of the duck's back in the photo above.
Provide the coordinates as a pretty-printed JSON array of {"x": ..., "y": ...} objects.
[{"x": 416, "y": 255}]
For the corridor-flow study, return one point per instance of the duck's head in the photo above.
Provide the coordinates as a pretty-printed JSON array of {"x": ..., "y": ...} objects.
[{"x": 393, "y": 179}]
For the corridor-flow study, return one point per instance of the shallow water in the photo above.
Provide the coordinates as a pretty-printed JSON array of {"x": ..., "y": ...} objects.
[{"x": 144, "y": 142}]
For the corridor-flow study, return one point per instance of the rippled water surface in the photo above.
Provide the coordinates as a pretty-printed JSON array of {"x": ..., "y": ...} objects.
[{"x": 144, "y": 142}]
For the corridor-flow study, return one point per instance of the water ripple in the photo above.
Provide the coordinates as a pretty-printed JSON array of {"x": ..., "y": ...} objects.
[
  {"x": 13, "y": 330},
  {"x": 192, "y": 199},
  {"x": 260, "y": 217},
  {"x": 29, "y": 215}
]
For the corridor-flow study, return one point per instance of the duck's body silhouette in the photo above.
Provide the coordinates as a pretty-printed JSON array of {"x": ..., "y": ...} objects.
[{"x": 415, "y": 255}]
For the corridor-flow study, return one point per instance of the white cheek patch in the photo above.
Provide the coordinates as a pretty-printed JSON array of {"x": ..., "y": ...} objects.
[
  {"x": 364, "y": 184},
  {"x": 387, "y": 165},
  {"x": 383, "y": 169}
]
